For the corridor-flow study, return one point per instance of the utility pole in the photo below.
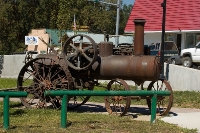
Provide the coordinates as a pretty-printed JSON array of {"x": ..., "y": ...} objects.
[
  {"x": 117, "y": 19},
  {"x": 117, "y": 24}
]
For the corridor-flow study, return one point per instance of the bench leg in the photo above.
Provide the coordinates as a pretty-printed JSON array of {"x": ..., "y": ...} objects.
[
  {"x": 6, "y": 112},
  {"x": 153, "y": 108},
  {"x": 64, "y": 112}
]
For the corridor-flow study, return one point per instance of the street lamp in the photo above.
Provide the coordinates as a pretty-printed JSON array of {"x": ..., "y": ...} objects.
[{"x": 117, "y": 20}]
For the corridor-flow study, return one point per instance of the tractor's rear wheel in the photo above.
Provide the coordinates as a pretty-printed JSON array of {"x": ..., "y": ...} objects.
[{"x": 38, "y": 75}]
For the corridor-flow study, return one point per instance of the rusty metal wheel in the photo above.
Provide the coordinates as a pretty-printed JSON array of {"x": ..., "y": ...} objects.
[
  {"x": 80, "y": 52},
  {"x": 38, "y": 75},
  {"x": 77, "y": 101},
  {"x": 164, "y": 103},
  {"x": 117, "y": 104}
]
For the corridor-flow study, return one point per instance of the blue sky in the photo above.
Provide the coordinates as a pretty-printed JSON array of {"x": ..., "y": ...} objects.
[{"x": 127, "y": 2}]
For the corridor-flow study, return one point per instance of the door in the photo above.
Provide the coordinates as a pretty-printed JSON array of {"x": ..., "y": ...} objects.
[
  {"x": 196, "y": 54},
  {"x": 178, "y": 43}
]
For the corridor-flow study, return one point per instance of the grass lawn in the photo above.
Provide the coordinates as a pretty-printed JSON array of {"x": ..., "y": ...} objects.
[
  {"x": 48, "y": 120},
  {"x": 183, "y": 99}
]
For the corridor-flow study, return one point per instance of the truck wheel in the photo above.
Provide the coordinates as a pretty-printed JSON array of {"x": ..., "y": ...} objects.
[{"x": 187, "y": 62}]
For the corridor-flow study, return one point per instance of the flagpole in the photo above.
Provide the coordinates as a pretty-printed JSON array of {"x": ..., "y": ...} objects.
[{"x": 74, "y": 24}]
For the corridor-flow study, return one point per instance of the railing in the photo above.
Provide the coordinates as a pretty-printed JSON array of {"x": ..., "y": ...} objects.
[
  {"x": 66, "y": 93},
  {"x": 6, "y": 95}
]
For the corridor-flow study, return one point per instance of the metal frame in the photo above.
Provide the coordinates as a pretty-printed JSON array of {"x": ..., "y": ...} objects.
[{"x": 67, "y": 93}]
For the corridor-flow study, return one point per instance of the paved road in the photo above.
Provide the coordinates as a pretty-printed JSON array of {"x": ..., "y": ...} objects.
[{"x": 183, "y": 117}]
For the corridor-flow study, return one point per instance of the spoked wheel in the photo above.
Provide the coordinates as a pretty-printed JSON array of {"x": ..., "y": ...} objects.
[
  {"x": 77, "y": 101},
  {"x": 80, "y": 52},
  {"x": 164, "y": 103},
  {"x": 117, "y": 104},
  {"x": 38, "y": 75}
]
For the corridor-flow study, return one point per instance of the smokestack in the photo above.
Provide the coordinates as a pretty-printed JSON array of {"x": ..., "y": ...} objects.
[{"x": 139, "y": 36}]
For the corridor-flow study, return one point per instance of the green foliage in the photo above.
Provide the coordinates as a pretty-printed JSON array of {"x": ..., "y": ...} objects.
[
  {"x": 8, "y": 83},
  {"x": 187, "y": 99},
  {"x": 17, "y": 18}
]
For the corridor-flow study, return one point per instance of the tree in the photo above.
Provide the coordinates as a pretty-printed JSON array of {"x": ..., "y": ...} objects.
[
  {"x": 9, "y": 30},
  {"x": 18, "y": 17},
  {"x": 54, "y": 14},
  {"x": 65, "y": 17},
  {"x": 124, "y": 16}
]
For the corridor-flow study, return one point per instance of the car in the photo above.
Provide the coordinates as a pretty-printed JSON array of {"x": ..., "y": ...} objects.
[
  {"x": 176, "y": 60},
  {"x": 191, "y": 56},
  {"x": 170, "y": 49}
]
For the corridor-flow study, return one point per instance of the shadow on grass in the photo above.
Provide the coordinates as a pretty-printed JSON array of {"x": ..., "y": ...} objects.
[
  {"x": 25, "y": 128},
  {"x": 15, "y": 105},
  {"x": 18, "y": 112},
  {"x": 14, "y": 113},
  {"x": 95, "y": 108}
]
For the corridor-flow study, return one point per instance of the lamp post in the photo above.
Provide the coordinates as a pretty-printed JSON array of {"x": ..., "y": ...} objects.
[
  {"x": 163, "y": 40},
  {"x": 117, "y": 20}
]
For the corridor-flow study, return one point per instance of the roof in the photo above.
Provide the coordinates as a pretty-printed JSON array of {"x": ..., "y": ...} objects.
[
  {"x": 181, "y": 15},
  {"x": 96, "y": 37},
  {"x": 100, "y": 37}
]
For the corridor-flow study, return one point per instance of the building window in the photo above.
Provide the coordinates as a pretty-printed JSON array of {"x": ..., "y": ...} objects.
[
  {"x": 43, "y": 52},
  {"x": 190, "y": 40},
  {"x": 170, "y": 37}
]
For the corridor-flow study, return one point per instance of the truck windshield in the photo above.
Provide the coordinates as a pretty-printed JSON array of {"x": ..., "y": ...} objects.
[{"x": 170, "y": 46}]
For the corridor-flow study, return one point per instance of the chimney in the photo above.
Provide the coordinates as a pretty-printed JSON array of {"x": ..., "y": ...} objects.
[{"x": 139, "y": 36}]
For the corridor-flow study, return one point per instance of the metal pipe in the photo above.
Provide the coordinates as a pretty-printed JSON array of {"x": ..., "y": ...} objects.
[
  {"x": 139, "y": 36},
  {"x": 106, "y": 93},
  {"x": 6, "y": 112},
  {"x": 64, "y": 111},
  {"x": 6, "y": 95},
  {"x": 13, "y": 94},
  {"x": 66, "y": 93},
  {"x": 153, "y": 108}
]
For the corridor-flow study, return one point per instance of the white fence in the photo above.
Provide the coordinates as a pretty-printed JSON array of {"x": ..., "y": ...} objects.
[{"x": 180, "y": 78}]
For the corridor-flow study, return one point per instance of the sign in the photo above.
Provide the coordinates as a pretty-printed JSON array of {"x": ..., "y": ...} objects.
[
  {"x": 31, "y": 40},
  {"x": 84, "y": 28},
  {"x": 94, "y": 0}
]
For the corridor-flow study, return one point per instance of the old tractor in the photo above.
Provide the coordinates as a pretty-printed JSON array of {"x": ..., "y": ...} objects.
[{"x": 83, "y": 63}]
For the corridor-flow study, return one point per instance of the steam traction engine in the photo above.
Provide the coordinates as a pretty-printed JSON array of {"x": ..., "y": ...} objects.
[{"x": 83, "y": 63}]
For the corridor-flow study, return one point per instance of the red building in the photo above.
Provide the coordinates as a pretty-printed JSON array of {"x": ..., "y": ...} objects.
[{"x": 182, "y": 21}]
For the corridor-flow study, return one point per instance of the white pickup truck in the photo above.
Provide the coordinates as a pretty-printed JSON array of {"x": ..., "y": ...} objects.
[{"x": 191, "y": 56}]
